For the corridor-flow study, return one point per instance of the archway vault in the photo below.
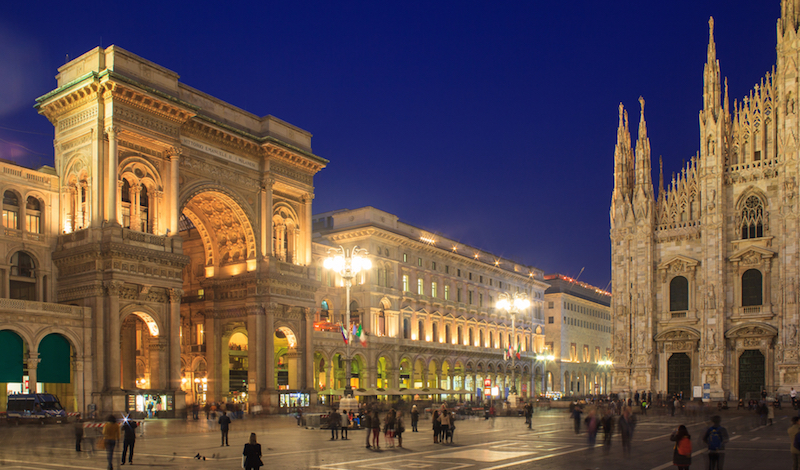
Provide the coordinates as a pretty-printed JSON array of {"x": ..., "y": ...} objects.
[{"x": 227, "y": 233}]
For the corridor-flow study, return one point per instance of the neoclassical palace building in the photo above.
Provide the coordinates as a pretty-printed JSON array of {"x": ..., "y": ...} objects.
[
  {"x": 706, "y": 271},
  {"x": 167, "y": 257},
  {"x": 429, "y": 307}
]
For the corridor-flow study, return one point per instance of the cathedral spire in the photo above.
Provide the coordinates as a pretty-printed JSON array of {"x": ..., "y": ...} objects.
[
  {"x": 711, "y": 77},
  {"x": 622, "y": 157},
  {"x": 660, "y": 177},
  {"x": 790, "y": 10},
  {"x": 644, "y": 179}
]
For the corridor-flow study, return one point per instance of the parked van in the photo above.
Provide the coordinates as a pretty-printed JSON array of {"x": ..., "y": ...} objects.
[{"x": 42, "y": 407}]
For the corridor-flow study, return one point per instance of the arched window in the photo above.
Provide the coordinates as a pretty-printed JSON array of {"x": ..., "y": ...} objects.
[
  {"x": 33, "y": 215},
  {"x": 144, "y": 205},
  {"x": 381, "y": 323},
  {"x": 447, "y": 334},
  {"x": 421, "y": 330},
  {"x": 125, "y": 198},
  {"x": 285, "y": 236},
  {"x": 460, "y": 336},
  {"x": 480, "y": 338},
  {"x": 23, "y": 277},
  {"x": 471, "y": 338},
  {"x": 491, "y": 339},
  {"x": 435, "y": 332},
  {"x": 10, "y": 210},
  {"x": 752, "y": 224},
  {"x": 751, "y": 288},
  {"x": 678, "y": 294},
  {"x": 406, "y": 328}
]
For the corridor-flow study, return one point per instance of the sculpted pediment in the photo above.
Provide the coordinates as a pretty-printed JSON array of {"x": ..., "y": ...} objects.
[
  {"x": 679, "y": 264},
  {"x": 751, "y": 255},
  {"x": 678, "y": 334},
  {"x": 751, "y": 329}
]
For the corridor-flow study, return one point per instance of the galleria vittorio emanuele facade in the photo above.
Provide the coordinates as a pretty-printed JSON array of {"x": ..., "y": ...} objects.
[
  {"x": 705, "y": 272},
  {"x": 168, "y": 259}
]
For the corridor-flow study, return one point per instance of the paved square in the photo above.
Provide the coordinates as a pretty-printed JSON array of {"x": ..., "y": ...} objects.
[
  {"x": 414, "y": 465},
  {"x": 481, "y": 455}
]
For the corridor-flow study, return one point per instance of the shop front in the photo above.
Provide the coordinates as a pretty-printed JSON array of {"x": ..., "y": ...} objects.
[{"x": 150, "y": 404}]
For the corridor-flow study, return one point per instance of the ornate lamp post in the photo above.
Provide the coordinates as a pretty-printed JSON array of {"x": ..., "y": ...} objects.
[
  {"x": 513, "y": 304},
  {"x": 347, "y": 263}
]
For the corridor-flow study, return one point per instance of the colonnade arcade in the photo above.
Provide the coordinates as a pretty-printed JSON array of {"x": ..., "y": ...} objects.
[{"x": 410, "y": 375}]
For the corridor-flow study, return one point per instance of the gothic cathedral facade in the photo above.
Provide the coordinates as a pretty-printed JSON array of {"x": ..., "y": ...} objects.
[{"x": 705, "y": 273}]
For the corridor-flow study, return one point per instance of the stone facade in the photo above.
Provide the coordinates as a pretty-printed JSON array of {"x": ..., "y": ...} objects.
[
  {"x": 578, "y": 333},
  {"x": 705, "y": 273},
  {"x": 428, "y": 305}
]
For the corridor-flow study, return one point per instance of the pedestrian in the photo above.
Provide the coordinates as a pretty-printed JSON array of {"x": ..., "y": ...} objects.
[
  {"x": 576, "y": 416},
  {"x": 770, "y": 414},
  {"x": 207, "y": 409},
  {"x": 399, "y": 428},
  {"x": 366, "y": 423},
  {"x": 437, "y": 426},
  {"x": 794, "y": 445},
  {"x": 627, "y": 423},
  {"x": 414, "y": 418},
  {"x": 110, "y": 438},
  {"x": 251, "y": 455},
  {"x": 388, "y": 427},
  {"x": 591, "y": 427},
  {"x": 299, "y": 415},
  {"x": 529, "y": 414},
  {"x": 715, "y": 437},
  {"x": 444, "y": 429},
  {"x": 793, "y": 394},
  {"x": 334, "y": 422},
  {"x": 682, "y": 452},
  {"x": 345, "y": 420},
  {"x": 129, "y": 439},
  {"x": 78, "y": 433},
  {"x": 224, "y": 424},
  {"x": 607, "y": 423},
  {"x": 376, "y": 429}
]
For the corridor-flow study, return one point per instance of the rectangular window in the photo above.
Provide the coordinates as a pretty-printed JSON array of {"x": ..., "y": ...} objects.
[
  {"x": 470, "y": 276},
  {"x": 458, "y": 272},
  {"x": 434, "y": 289},
  {"x": 405, "y": 257},
  {"x": 32, "y": 222},
  {"x": 446, "y": 292},
  {"x": 420, "y": 287},
  {"x": 573, "y": 352},
  {"x": 433, "y": 265},
  {"x": 10, "y": 219},
  {"x": 469, "y": 294},
  {"x": 201, "y": 334},
  {"x": 419, "y": 261},
  {"x": 481, "y": 279},
  {"x": 458, "y": 295},
  {"x": 499, "y": 284},
  {"x": 585, "y": 353},
  {"x": 405, "y": 282},
  {"x": 480, "y": 300},
  {"x": 447, "y": 269},
  {"x": 550, "y": 320}
]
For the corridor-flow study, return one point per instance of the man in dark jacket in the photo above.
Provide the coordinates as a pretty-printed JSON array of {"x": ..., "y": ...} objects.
[
  {"x": 224, "y": 422},
  {"x": 335, "y": 422},
  {"x": 129, "y": 428}
]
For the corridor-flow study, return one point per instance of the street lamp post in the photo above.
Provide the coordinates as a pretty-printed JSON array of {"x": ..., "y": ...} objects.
[
  {"x": 347, "y": 263},
  {"x": 513, "y": 304}
]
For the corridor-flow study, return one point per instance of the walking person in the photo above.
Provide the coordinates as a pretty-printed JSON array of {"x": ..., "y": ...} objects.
[
  {"x": 207, "y": 409},
  {"x": 682, "y": 452},
  {"x": 607, "y": 423},
  {"x": 334, "y": 422},
  {"x": 376, "y": 429},
  {"x": 224, "y": 425},
  {"x": 444, "y": 428},
  {"x": 529, "y": 414},
  {"x": 388, "y": 427},
  {"x": 437, "y": 426},
  {"x": 576, "y": 416},
  {"x": 770, "y": 414},
  {"x": 591, "y": 427},
  {"x": 366, "y": 423},
  {"x": 627, "y": 423},
  {"x": 794, "y": 445},
  {"x": 414, "y": 418},
  {"x": 399, "y": 428},
  {"x": 715, "y": 437},
  {"x": 129, "y": 439},
  {"x": 345, "y": 420},
  {"x": 110, "y": 438},
  {"x": 251, "y": 455},
  {"x": 78, "y": 429}
]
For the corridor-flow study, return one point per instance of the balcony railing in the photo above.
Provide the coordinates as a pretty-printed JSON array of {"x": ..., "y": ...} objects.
[{"x": 752, "y": 310}]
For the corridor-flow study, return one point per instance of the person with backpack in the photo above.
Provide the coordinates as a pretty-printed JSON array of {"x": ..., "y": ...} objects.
[
  {"x": 716, "y": 436},
  {"x": 794, "y": 439},
  {"x": 682, "y": 452}
]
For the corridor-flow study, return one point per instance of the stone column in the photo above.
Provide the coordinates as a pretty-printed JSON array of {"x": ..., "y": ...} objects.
[
  {"x": 158, "y": 370},
  {"x": 129, "y": 355},
  {"x": 213, "y": 355},
  {"x": 255, "y": 353},
  {"x": 111, "y": 192},
  {"x": 292, "y": 363},
  {"x": 136, "y": 191},
  {"x": 33, "y": 364},
  {"x": 175, "y": 339},
  {"x": 307, "y": 198},
  {"x": 174, "y": 195},
  {"x": 112, "y": 336},
  {"x": 269, "y": 331},
  {"x": 308, "y": 346}
]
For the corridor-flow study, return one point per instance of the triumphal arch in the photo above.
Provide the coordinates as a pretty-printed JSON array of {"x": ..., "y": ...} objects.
[{"x": 184, "y": 224}]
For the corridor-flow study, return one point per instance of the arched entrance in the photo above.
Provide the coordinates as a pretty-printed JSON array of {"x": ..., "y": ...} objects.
[
  {"x": 56, "y": 369},
  {"x": 384, "y": 371},
  {"x": 285, "y": 356},
  {"x": 12, "y": 368},
  {"x": 751, "y": 374},
  {"x": 142, "y": 354},
  {"x": 679, "y": 374},
  {"x": 238, "y": 366}
]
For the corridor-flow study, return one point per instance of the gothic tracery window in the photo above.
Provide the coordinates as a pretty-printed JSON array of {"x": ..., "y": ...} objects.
[{"x": 752, "y": 223}]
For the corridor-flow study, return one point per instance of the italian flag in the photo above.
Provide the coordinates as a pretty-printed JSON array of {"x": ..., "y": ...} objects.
[
  {"x": 519, "y": 356},
  {"x": 361, "y": 335},
  {"x": 344, "y": 335}
]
